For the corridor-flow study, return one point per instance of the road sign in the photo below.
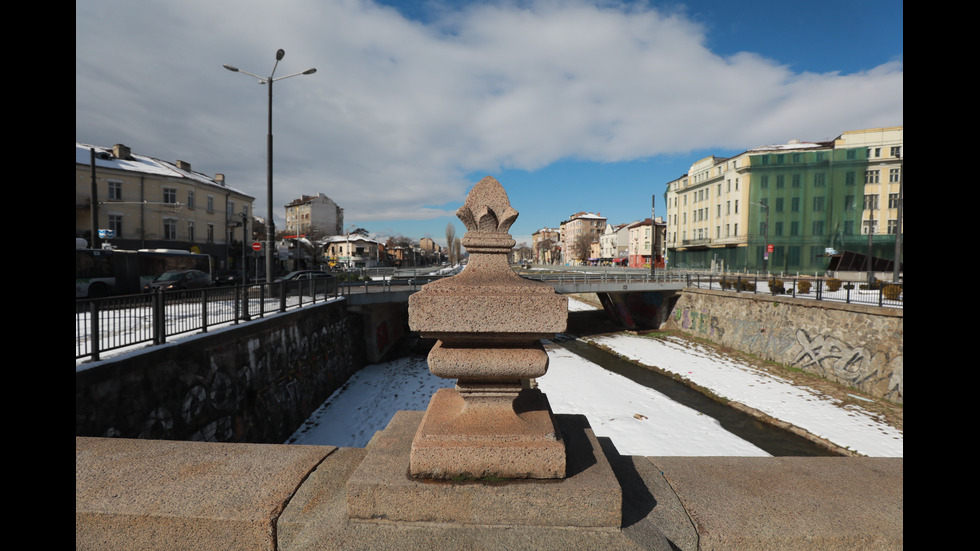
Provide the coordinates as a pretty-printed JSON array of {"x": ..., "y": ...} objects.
[
  {"x": 769, "y": 248},
  {"x": 257, "y": 246}
]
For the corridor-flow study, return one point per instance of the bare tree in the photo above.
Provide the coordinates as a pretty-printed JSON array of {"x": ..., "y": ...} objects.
[{"x": 450, "y": 238}]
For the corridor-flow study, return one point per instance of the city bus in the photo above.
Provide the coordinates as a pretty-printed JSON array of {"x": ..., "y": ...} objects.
[{"x": 102, "y": 272}]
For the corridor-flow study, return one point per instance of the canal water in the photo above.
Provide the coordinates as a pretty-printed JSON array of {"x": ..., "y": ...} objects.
[{"x": 770, "y": 438}]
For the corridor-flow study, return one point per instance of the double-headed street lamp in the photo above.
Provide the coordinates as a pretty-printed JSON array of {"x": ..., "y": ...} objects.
[
  {"x": 765, "y": 250},
  {"x": 270, "y": 226}
]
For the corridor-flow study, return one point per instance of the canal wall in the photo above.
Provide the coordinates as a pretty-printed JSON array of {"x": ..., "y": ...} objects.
[
  {"x": 855, "y": 345},
  {"x": 255, "y": 382}
]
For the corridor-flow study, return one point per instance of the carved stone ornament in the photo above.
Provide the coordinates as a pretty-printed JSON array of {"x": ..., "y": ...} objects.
[{"x": 489, "y": 323}]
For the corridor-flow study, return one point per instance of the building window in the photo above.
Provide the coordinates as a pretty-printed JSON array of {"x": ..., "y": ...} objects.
[
  {"x": 896, "y": 151},
  {"x": 169, "y": 195},
  {"x": 795, "y": 204},
  {"x": 778, "y": 227},
  {"x": 818, "y": 204},
  {"x": 871, "y": 177},
  {"x": 796, "y": 180},
  {"x": 892, "y": 227},
  {"x": 893, "y": 200},
  {"x": 115, "y": 191},
  {"x": 851, "y": 154},
  {"x": 764, "y": 182},
  {"x": 818, "y": 227},
  {"x": 780, "y": 181},
  {"x": 871, "y": 202},
  {"x": 190, "y": 231},
  {"x": 848, "y": 227},
  {"x": 819, "y": 179},
  {"x": 794, "y": 228},
  {"x": 115, "y": 224},
  {"x": 893, "y": 175},
  {"x": 869, "y": 225},
  {"x": 169, "y": 228},
  {"x": 849, "y": 178},
  {"x": 210, "y": 203},
  {"x": 736, "y": 206},
  {"x": 779, "y": 204},
  {"x": 210, "y": 233},
  {"x": 190, "y": 198}
]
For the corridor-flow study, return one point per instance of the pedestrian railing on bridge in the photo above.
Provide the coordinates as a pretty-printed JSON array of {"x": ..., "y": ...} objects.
[{"x": 113, "y": 323}]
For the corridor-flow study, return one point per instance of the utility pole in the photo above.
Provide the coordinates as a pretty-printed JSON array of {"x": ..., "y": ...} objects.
[
  {"x": 95, "y": 203},
  {"x": 653, "y": 235},
  {"x": 898, "y": 225}
]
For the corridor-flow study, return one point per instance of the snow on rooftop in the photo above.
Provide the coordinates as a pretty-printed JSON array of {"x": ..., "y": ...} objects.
[{"x": 104, "y": 158}]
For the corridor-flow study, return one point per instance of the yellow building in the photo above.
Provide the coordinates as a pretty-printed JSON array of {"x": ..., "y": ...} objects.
[
  {"x": 785, "y": 208},
  {"x": 146, "y": 203}
]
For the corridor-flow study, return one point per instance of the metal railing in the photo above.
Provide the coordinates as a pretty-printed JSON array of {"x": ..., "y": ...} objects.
[
  {"x": 111, "y": 323},
  {"x": 824, "y": 289}
]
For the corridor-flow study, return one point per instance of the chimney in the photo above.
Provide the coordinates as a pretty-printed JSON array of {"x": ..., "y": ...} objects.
[
  {"x": 219, "y": 177},
  {"x": 121, "y": 151},
  {"x": 183, "y": 165}
]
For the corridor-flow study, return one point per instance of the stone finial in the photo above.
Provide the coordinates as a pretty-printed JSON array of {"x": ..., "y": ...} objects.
[{"x": 488, "y": 322}]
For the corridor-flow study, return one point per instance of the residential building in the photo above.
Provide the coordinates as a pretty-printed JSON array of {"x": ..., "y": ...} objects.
[
  {"x": 640, "y": 246},
  {"x": 352, "y": 251},
  {"x": 614, "y": 244},
  {"x": 801, "y": 200},
  {"x": 314, "y": 215},
  {"x": 148, "y": 203},
  {"x": 545, "y": 245},
  {"x": 577, "y": 235}
]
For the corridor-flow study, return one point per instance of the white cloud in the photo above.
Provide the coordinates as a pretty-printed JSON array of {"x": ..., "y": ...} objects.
[{"x": 398, "y": 112}]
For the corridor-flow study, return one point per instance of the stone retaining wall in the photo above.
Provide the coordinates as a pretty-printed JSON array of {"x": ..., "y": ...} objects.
[
  {"x": 256, "y": 382},
  {"x": 856, "y": 345}
]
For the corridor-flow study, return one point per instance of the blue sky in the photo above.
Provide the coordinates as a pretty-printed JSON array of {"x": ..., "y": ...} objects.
[{"x": 573, "y": 105}]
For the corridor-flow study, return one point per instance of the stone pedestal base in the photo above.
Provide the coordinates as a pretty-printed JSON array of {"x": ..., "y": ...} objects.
[
  {"x": 381, "y": 487},
  {"x": 499, "y": 437}
]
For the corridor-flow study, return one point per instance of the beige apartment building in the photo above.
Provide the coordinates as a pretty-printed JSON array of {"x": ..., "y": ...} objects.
[
  {"x": 787, "y": 207},
  {"x": 577, "y": 235},
  {"x": 314, "y": 215},
  {"x": 545, "y": 245},
  {"x": 148, "y": 203}
]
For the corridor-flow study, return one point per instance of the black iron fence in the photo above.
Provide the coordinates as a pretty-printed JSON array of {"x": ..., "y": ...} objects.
[
  {"x": 111, "y": 323},
  {"x": 879, "y": 293}
]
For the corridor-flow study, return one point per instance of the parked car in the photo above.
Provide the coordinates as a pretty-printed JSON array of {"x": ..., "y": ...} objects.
[
  {"x": 308, "y": 281},
  {"x": 227, "y": 277},
  {"x": 178, "y": 280}
]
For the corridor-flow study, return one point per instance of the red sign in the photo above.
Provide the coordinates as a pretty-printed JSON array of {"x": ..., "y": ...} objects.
[
  {"x": 769, "y": 248},
  {"x": 256, "y": 246}
]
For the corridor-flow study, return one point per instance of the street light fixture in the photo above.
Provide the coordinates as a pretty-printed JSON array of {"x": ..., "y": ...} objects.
[
  {"x": 270, "y": 226},
  {"x": 765, "y": 250}
]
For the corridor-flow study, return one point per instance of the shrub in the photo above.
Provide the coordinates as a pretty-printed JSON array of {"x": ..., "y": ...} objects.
[
  {"x": 746, "y": 285},
  {"x": 776, "y": 286},
  {"x": 892, "y": 292},
  {"x": 803, "y": 287},
  {"x": 726, "y": 283},
  {"x": 833, "y": 284}
]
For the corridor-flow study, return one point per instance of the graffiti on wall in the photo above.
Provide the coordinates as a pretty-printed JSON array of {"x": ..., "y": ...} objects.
[
  {"x": 828, "y": 353},
  {"x": 701, "y": 322}
]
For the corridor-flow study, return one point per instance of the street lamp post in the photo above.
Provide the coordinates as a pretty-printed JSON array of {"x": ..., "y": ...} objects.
[
  {"x": 765, "y": 249},
  {"x": 270, "y": 226}
]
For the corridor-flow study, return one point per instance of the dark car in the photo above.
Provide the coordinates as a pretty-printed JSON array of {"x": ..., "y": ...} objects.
[
  {"x": 227, "y": 277},
  {"x": 308, "y": 281},
  {"x": 179, "y": 280}
]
